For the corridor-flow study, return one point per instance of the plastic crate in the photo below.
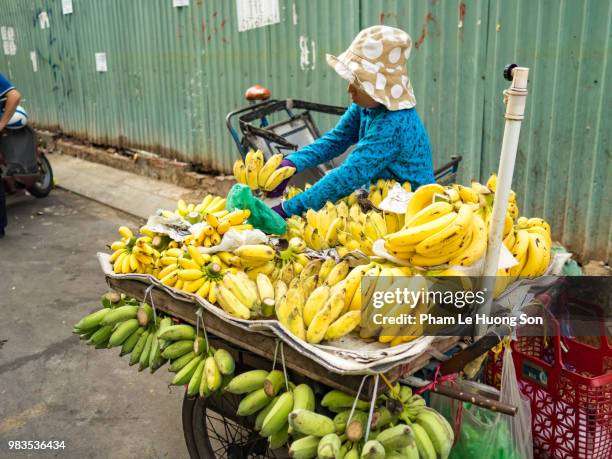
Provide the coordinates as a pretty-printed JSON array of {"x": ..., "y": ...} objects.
[{"x": 569, "y": 384}]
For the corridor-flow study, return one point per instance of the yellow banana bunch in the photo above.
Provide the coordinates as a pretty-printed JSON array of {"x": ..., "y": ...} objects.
[
  {"x": 257, "y": 174},
  {"x": 217, "y": 225},
  {"x": 133, "y": 254}
]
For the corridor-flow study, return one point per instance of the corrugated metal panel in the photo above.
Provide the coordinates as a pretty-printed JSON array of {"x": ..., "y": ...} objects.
[{"x": 175, "y": 73}]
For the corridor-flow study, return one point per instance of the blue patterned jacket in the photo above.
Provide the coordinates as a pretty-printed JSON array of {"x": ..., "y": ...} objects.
[{"x": 390, "y": 145}]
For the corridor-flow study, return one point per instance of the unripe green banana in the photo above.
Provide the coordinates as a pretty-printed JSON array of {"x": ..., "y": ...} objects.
[
  {"x": 144, "y": 314},
  {"x": 253, "y": 402},
  {"x": 155, "y": 358},
  {"x": 213, "y": 375},
  {"x": 122, "y": 332},
  {"x": 337, "y": 401},
  {"x": 101, "y": 336},
  {"x": 199, "y": 346},
  {"x": 310, "y": 423},
  {"x": 130, "y": 343},
  {"x": 137, "y": 351},
  {"x": 263, "y": 413},
  {"x": 163, "y": 324},
  {"x": 273, "y": 383},
  {"x": 178, "y": 349},
  {"x": 280, "y": 438},
  {"x": 184, "y": 375},
  {"x": 204, "y": 390},
  {"x": 92, "y": 320},
  {"x": 423, "y": 443},
  {"x": 304, "y": 448},
  {"x": 303, "y": 398},
  {"x": 356, "y": 427},
  {"x": 247, "y": 382},
  {"x": 396, "y": 437},
  {"x": 329, "y": 447},
  {"x": 193, "y": 387},
  {"x": 119, "y": 315},
  {"x": 178, "y": 332},
  {"x": 340, "y": 421},
  {"x": 438, "y": 430},
  {"x": 225, "y": 362},
  {"x": 277, "y": 417},
  {"x": 373, "y": 450},
  {"x": 179, "y": 363},
  {"x": 143, "y": 362}
]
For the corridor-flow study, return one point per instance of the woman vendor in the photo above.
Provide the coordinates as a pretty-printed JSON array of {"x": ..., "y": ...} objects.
[{"x": 391, "y": 141}]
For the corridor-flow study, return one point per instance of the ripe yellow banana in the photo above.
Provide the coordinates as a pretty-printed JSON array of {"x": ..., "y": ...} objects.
[
  {"x": 269, "y": 167},
  {"x": 239, "y": 172},
  {"x": 278, "y": 176},
  {"x": 519, "y": 251},
  {"x": 412, "y": 236},
  {"x": 477, "y": 246},
  {"x": 421, "y": 198},
  {"x": 457, "y": 228}
]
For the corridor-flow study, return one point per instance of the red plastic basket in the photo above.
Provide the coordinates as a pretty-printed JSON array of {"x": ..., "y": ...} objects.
[{"x": 569, "y": 384}]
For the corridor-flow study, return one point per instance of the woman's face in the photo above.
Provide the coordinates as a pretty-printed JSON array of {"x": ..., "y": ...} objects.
[{"x": 360, "y": 97}]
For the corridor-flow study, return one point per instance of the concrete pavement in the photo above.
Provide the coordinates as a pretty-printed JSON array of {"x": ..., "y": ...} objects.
[
  {"x": 129, "y": 192},
  {"x": 53, "y": 386}
]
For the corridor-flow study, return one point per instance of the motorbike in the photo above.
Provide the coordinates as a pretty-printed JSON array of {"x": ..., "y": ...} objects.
[{"x": 22, "y": 164}]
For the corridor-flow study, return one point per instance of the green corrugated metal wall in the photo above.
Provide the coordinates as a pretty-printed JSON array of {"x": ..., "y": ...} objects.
[{"x": 173, "y": 74}]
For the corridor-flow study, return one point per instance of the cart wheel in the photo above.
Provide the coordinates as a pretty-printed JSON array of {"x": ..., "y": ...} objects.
[{"x": 212, "y": 430}]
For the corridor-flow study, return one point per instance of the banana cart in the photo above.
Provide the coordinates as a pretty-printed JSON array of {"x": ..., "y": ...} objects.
[{"x": 211, "y": 427}]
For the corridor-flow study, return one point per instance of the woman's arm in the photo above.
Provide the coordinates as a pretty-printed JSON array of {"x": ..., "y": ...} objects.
[
  {"x": 372, "y": 155},
  {"x": 12, "y": 101},
  {"x": 332, "y": 144}
]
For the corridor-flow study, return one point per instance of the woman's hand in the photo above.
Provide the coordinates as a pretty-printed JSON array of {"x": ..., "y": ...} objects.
[{"x": 280, "y": 189}]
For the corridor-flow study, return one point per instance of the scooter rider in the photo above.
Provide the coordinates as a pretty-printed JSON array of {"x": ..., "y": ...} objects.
[{"x": 9, "y": 100}]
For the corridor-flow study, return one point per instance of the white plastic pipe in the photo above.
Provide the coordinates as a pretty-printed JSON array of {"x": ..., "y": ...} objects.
[{"x": 515, "y": 98}]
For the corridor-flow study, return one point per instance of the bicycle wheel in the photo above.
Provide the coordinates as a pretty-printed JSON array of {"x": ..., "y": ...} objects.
[{"x": 213, "y": 430}]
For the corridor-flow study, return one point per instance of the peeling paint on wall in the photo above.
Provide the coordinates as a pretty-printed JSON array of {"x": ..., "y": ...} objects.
[
  {"x": 43, "y": 20},
  {"x": 307, "y": 55}
]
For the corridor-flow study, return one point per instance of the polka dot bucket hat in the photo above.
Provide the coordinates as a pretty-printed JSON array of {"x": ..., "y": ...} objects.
[{"x": 376, "y": 61}]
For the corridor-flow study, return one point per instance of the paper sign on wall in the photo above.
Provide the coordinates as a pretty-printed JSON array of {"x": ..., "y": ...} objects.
[
  {"x": 8, "y": 40},
  {"x": 256, "y": 13},
  {"x": 43, "y": 20},
  {"x": 101, "y": 62},
  {"x": 179, "y": 3},
  {"x": 34, "y": 60},
  {"x": 67, "y": 6}
]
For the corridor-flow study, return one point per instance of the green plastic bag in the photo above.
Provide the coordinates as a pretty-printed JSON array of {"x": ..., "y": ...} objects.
[{"x": 262, "y": 217}]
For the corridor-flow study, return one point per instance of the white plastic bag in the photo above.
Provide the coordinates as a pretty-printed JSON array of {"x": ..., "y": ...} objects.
[
  {"x": 234, "y": 239},
  {"x": 520, "y": 424}
]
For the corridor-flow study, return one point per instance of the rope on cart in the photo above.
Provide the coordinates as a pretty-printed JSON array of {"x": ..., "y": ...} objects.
[
  {"x": 372, "y": 403},
  {"x": 437, "y": 379},
  {"x": 200, "y": 318},
  {"x": 149, "y": 291},
  {"x": 280, "y": 344}
]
